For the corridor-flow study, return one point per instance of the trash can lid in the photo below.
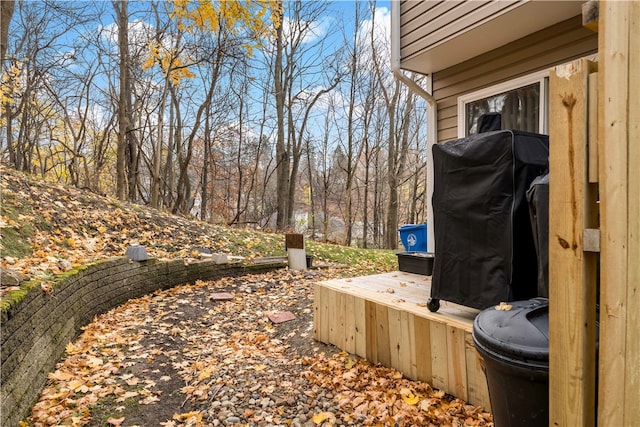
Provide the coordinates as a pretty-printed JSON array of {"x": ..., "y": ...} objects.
[{"x": 518, "y": 330}]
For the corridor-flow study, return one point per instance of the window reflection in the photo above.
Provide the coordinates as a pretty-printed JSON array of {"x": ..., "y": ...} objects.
[{"x": 520, "y": 109}]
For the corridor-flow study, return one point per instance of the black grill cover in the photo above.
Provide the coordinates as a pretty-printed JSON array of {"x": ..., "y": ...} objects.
[
  {"x": 538, "y": 198},
  {"x": 485, "y": 253}
]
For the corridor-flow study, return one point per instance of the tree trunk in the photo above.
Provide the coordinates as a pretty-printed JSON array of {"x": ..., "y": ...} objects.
[
  {"x": 282, "y": 156},
  {"x": 123, "y": 128},
  {"x": 6, "y": 12}
]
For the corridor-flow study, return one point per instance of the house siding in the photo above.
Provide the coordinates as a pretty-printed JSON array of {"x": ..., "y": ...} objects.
[
  {"x": 445, "y": 19},
  {"x": 544, "y": 49}
]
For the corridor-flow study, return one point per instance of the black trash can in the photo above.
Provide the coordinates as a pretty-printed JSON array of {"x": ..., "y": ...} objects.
[{"x": 514, "y": 345}]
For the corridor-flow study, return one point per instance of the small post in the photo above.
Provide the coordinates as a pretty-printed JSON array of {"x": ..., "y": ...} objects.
[{"x": 295, "y": 251}]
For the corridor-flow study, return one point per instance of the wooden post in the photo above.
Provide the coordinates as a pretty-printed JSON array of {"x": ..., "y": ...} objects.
[
  {"x": 572, "y": 272},
  {"x": 619, "y": 169}
]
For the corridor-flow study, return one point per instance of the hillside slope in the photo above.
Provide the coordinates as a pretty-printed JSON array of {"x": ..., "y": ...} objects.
[{"x": 48, "y": 229}]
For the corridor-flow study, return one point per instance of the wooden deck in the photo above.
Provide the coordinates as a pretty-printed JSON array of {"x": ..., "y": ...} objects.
[{"x": 384, "y": 319}]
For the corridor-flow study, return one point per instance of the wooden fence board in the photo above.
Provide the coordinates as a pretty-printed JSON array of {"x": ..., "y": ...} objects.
[
  {"x": 632, "y": 379},
  {"x": 572, "y": 286},
  {"x": 619, "y": 160},
  {"x": 613, "y": 39}
]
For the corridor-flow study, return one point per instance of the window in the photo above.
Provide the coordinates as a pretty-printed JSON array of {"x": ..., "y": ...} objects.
[{"x": 522, "y": 104}]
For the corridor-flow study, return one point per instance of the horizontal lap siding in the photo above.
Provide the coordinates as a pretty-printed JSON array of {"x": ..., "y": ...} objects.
[
  {"x": 445, "y": 19},
  {"x": 552, "y": 46}
]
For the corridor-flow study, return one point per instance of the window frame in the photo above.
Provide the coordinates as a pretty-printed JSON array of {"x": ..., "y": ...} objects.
[{"x": 541, "y": 77}]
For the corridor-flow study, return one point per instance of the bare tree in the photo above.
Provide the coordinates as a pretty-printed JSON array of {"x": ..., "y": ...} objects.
[
  {"x": 124, "y": 101},
  {"x": 294, "y": 73},
  {"x": 38, "y": 49},
  {"x": 282, "y": 155},
  {"x": 398, "y": 114}
]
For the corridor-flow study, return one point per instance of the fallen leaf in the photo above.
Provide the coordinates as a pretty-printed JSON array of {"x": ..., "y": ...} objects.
[
  {"x": 322, "y": 417},
  {"x": 503, "y": 306},
  {"x": 149, "y": 400},
  {"x": 115, "y": 421},
  {"x": 409, "y": 397}
]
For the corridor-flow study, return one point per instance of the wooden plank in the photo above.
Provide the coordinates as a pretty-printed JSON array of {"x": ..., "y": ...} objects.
[
  {"x": 371, "y": 335},
  {"x": 614, "y": 36},
  {"x": 321, "y": 313},
  {"x": 619, "y": 385},
  {"x": 360, "y": 327},
  {"x": 439, "y": 356},
  {"x": 592, "y": 123},
  {"x": 407, "y": 351},
  {"x": 396, "y": 343},
  {"x": 349, "y": 325},
  {"x": 457, "y": 363},
  {"x": 477, "y": 390},
  {"x": 632, "y": 379},
  {"x": 423, "y": 356},
  {"x": 339, "y": 319},
  {"x": 382, "y": 335},
  {"x": 332, "y": 304},
  {"x": 572, "y": 298}
]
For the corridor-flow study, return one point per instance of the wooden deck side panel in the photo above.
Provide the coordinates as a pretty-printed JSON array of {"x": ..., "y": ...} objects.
[
  {"x": 439, "y": 356},
  {"x": 422, "y": 338},
  {"x": 396, "y": 343},
  {"x": 407, "y": 345},
  {"x": 457, "y": 363},
  {"x": 339, "y": 320},
  {"x": 360, "y": 326},
  {"x": 477, "y": 389},
  {"x": 321, "y": 313},
  {"x": 349, "y": 325},
  {"x": 371, "y": 335},
  {"x": 383, "y": 339},
  {"x": 384, "y": 319}
]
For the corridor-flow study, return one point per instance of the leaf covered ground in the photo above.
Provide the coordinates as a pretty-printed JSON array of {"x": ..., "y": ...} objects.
[{"x": 207, "y": 353}]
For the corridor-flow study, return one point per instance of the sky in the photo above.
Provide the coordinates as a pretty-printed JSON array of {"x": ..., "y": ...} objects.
[{"x": 339, "y": 12}]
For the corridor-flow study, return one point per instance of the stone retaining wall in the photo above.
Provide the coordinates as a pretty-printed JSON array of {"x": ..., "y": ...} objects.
[{"x": 35, "y": 332}]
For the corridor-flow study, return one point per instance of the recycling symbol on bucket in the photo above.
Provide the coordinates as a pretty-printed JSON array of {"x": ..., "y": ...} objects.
[{"x": 412, "y": 240}]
